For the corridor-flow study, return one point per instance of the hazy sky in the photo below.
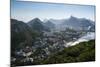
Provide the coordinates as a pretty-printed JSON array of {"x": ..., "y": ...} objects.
[{"x": 26, "y": 11}]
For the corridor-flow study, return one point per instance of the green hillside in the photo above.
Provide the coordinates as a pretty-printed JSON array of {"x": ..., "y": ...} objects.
[{"x": 81, "y": 52}]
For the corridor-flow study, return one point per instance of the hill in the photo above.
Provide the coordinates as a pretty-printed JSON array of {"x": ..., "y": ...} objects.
[
  {"x": 21, "y": 35},
  {"x": 81, "y": 52}
]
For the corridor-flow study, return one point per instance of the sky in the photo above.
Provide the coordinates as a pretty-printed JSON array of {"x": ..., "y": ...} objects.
[{"x": 26, "y": 11}]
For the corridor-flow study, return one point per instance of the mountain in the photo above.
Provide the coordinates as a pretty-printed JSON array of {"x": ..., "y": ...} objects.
[
  {"x": 74, "y": 23},
  {"x": 49, "y": 24},
  {"x": 57, "y": 21},
  {"x": 37, "y": 25},
  {"x": 21, "y": 34},
  {"x": 78, "y": 23}
]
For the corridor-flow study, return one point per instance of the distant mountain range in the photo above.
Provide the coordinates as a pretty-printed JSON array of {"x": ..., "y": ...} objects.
[
  {"x": 74, "y": 23},
  {"x": 25, "y": 32}
]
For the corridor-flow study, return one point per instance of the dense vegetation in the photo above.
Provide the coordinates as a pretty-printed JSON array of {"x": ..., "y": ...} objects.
[{"x": 81, "y": 52}]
